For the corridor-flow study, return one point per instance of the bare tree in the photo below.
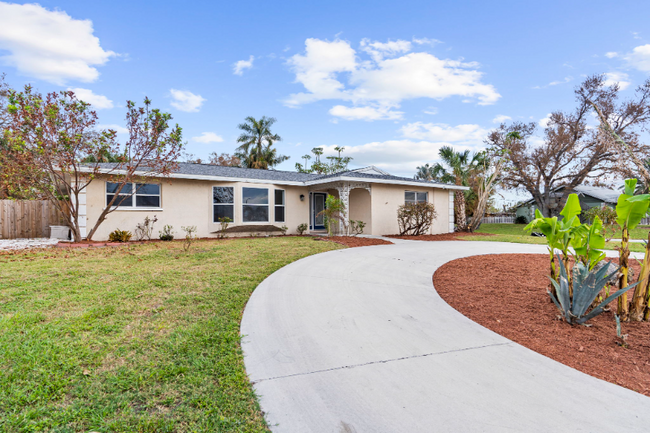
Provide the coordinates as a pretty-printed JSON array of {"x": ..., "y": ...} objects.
[
  {"x": 49, "y": 138},
  {"x": 573, "y": 153}
]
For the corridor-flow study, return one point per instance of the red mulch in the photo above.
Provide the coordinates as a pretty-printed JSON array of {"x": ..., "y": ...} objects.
[
  {"x": 353, "y": 241},
  {"x": 507, "y": 294},
  {"x": 441, "y": 237}
]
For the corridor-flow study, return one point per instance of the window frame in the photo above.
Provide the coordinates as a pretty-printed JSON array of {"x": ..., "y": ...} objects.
[
  {"x": 223, "y": 204},
  {"x": 267, "y": 205},
  {"x": 416, "y": 201},
  {"x": 134, "y": 195},
  {"x": 283, "y": 206}
]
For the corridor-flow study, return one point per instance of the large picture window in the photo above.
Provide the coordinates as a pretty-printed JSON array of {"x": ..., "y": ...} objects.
[
  {"x": 279, "y": 205},
  {"x": 134, "y": 195},
  {"x": 415, "y": 197},
  {"x": 255, "y": 205},
  {"x": 223, "y": 200}
]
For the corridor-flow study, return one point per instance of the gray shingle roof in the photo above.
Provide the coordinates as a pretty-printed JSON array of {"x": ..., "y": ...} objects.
[{"x": 203, "y": 170}]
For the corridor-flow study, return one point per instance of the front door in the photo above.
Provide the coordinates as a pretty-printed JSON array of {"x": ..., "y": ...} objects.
[{"x": 318, "y": 205}]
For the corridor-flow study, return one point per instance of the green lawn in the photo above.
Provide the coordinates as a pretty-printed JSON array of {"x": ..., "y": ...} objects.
[
  {"x": 515, "y": 233},
  {"x": 138, "y": 338}
]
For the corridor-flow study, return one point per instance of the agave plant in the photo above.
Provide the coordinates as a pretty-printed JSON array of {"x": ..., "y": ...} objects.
[{"x": 586, "y": 286}]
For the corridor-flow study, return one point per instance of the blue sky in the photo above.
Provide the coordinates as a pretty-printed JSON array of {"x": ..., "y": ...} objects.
[{"x": 390, "y": 81}]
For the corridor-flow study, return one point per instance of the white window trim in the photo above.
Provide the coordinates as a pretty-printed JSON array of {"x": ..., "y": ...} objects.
[
  {"x": 133, "y": 207},
  {"x": 268, "y": 205},
  {"x": 223, "y": 204},
  {"x": 283, "y": 206},
  {"x": 416, "y": 196}
]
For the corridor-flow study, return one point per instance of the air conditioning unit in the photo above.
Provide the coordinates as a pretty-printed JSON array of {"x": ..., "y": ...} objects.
[{"x": 60, "y": 232}]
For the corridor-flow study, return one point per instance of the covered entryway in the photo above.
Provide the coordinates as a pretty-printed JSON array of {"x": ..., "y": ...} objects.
[{"x": 356, "y": 197}]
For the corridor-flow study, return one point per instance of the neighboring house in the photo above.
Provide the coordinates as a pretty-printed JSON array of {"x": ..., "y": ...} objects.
[
  {"x": 262, "y": 201},
  {"x": 590, "y": 196}
]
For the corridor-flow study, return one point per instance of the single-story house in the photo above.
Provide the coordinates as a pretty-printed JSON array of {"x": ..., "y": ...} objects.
[
  {"x": 262, "y": 201},
  {"x": 589, "y": 196}
]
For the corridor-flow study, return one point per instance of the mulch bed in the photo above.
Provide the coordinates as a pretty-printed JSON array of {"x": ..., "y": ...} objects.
[
  {"x": 457, "y": 236},
  {"x": 507, "y": 294},
  {"x": 353, "y": 241}
]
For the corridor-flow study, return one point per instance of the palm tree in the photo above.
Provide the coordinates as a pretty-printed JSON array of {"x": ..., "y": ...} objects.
[
  {"x": 256, "y": 149},
  {"x": 458, "y": 169}
]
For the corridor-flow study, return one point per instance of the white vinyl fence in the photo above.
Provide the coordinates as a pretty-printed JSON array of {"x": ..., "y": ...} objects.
[{"x": 497, "y": 220}]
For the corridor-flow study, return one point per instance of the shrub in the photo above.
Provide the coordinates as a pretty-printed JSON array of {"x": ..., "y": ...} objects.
[
  {"x": 167, "y": 233},
  {"x": 521, "y": 220},
  {"x": 145, "y": 229},
  {"x": 224, "y": 222},
  {"x": 302, "y": 228},
  {"x": 356, "y": 227},
  {"x": 415, "y": 218},
  {"x": 606, "y": 214},
  {"x": 120, "y": 236},
  {"x": 190, "y": 237},
  {"x": 284, "y": 230},
  {"x": 333, "y": 213},
  {"x": 586, "y": 287}
]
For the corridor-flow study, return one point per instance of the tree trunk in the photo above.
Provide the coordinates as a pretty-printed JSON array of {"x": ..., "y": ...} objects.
[
  {"x": 461, "y": 219},
  {"x": 623, "y": 307},
  {"x": 639, "y": 299}
]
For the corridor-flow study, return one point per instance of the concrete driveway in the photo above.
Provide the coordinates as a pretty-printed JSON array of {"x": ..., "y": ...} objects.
[{"x": 358, "y": 340}]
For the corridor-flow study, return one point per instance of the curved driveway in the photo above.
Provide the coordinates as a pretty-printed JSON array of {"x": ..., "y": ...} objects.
[{"x": 357, "y": 340}]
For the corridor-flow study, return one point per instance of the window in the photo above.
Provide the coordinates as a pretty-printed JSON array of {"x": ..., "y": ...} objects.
[
  {"x": 255, "y": 205},
  {"x": 279, "y": 205},
  {"x": 138, "y": 195},
  {"x": 415, "y": 197},
  {"x": 223, "y": 201}
]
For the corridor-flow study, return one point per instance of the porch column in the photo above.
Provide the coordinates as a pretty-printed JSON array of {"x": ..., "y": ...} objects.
[{"x": 344, "y": 195}]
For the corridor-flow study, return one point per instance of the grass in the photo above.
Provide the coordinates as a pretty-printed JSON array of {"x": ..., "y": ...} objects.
[
  {"x": 133, "y": 339},
  {"x": 515, "y": 233}
]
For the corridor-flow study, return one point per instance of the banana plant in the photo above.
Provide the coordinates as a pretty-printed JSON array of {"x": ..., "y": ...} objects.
[
  {"x": 633, "y": 209},
  {"x": 559, "y": 234},
  {"x": 630, "y": 209},
  {"x": 589, "y": 242}
]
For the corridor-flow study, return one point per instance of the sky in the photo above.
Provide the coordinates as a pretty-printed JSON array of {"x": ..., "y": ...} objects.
[{"x": 392, "y": 82}]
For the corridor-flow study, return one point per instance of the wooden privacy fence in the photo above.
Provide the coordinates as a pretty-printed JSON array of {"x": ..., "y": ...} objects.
[{"x": 28, "y": 218}]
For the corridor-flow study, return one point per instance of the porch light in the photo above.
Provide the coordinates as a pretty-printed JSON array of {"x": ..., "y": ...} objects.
[{"x": 302, "y": 197}]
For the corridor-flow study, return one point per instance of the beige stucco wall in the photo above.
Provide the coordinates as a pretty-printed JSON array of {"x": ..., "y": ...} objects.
[
  {"x": 360, "y": 208},
  {"x": 189, "y": 203},
  {"x": 385, "y": 200}
]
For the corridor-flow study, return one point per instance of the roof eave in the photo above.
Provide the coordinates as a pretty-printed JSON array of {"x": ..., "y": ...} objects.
[{"x": 384, "y": 181}]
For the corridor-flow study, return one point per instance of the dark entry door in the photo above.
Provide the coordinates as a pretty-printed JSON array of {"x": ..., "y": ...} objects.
[{"x": 318, "y": 206}]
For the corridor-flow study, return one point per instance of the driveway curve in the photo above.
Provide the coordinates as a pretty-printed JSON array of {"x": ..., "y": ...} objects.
[{"x": 358, "y": 340}]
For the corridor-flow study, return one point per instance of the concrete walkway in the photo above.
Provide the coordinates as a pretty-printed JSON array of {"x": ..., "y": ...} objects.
[{"x": 358, "y": 340}]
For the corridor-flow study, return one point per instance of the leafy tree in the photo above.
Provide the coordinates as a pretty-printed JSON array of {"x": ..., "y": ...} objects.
[
  {"x": 572, "y": 152},
  {"x": 48, "y": 138},
  {"x": 256, "y": 149},
  {"x": 457, "y": 168},
  {"x": 334, "y": 214},
  {"x": 336, "y": 164}
]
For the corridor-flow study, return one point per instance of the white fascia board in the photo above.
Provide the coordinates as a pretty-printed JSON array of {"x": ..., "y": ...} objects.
[
  {"x": 386, "y": 181},
  {"x": 200, "y": 177}
]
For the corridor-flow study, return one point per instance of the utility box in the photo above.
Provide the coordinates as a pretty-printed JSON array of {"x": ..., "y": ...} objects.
[{"x": 60, "y": 232}]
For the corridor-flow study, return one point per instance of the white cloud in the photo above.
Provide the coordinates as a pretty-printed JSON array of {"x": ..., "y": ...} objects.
[
  {"x": 117, "y": 128},
  {"x": 390, "y": 76},
  {"x": 617, "y": 77},
  {"x": 98, "y": 102},
  {"x": 471, "y": 134},
  {"x": 208, "y": 137},
  {"x": 49, "y": 45},
  {"x": 544, "y": 122},
  {"x": 185, "y": 100},
  {"x": 239, "y": 67},
  {"x": 639, "y": 58},
  {"x": 611, "y": 54},
  {"x": 379, "y": 50},
  {"x": 501, "y": 118},
  {"x": 426, "y": 41},
  {"x": 365, "y": 113},
  {"x": 431, "y": 110},
  {"x": 555, "y": 83}
]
